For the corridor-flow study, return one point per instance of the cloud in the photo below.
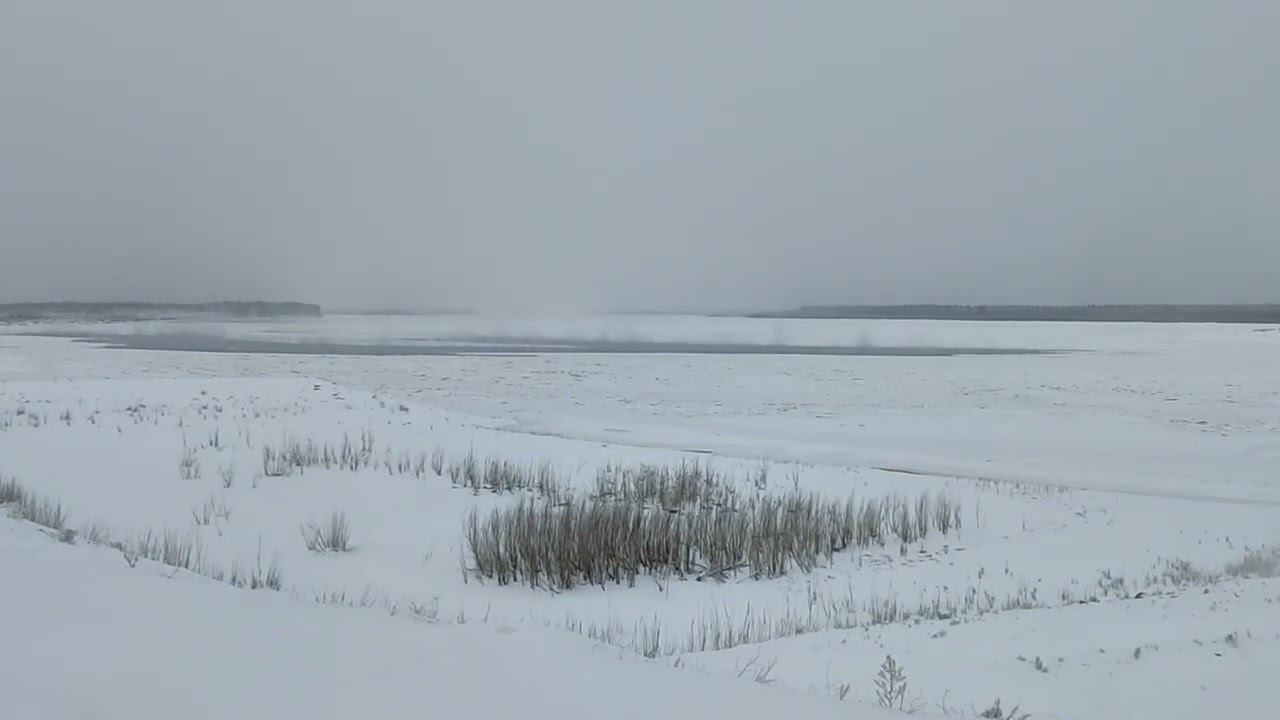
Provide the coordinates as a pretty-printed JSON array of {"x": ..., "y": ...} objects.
[{"x": 710, "y": 154}]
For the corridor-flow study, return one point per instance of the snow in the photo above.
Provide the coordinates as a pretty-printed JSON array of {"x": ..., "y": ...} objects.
[
  {"x": 1161, "y": 657},
  {"x": 1186, "y": 410},
  {"x": 1084, "y": 477},
  {"x": 87, "y": 636}
]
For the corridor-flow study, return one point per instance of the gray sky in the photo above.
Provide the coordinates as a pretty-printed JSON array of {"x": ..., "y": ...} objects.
[{"x": 707, "y": 154}]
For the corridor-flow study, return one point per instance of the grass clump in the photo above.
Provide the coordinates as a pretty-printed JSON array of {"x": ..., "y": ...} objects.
[
  {"x": 10, "y": 491},
  {"x": 41, "y": 511},
  {"x": 684, "y": 520},
  {"x": 995, "y": 712},
  {"x": 294, "y": 456},
  {"x": 333, "y": 536},
  {"x": 501, "y": 476},
  {"x": 1262, "y": 563},
  {"x": 212, "y": 510},
  {"x": 189, "y": 464},
  {"x": 178, "y": 550},
  {"x": 437, "y": 461},
  {"x": 255, "y": 577}
]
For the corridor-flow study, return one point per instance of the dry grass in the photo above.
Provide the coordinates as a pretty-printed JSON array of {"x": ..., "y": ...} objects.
[
  {"x": 171, "y": 548},
  {"x": 496, "y": 475},
  {"x": 333, "y": 536},
  {"x": 683, "y": 520},
  {"x": 212, "y": 510},
  {"x": 503, "y": 476},
  {"x": 720, "y": 629},
  {"x": 41, "y": 511},
  {"x": 177, "y": 550},
  {"x": 1262, "y": 563},
  {"x": 437, "y": 461},
  {"x": 257, "y": 578},
  {"x": 10, "y": 491},
  {"x": 294, "y": 456},
  {"x": 227, "y": 474},
  {"x": 189, "y": 464}
]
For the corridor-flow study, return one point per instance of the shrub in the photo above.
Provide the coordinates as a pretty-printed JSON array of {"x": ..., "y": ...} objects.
[{"x": 891, "y": 684}]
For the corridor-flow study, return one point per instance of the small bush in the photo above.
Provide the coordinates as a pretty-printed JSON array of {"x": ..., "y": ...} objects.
[{"x": 891, "y": 684}]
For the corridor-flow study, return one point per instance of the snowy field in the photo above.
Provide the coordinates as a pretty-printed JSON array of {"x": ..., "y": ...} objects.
[{"x": 1112, "y": 552}]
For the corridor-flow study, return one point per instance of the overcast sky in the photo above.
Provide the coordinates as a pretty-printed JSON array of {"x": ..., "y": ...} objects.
[{"x": 701, "y": 154}]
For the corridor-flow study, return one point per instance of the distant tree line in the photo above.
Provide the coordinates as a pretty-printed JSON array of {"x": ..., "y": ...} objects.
[
  {"x": 144, "y": 310},
  {"x": 1254, "y": 314}
]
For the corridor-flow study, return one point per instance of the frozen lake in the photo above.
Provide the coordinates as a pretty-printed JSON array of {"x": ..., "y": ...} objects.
[
  {"x": 196, "y": 342},
  {"x": 378, "y": 335},
  {"x": 1187, "y": 410}
]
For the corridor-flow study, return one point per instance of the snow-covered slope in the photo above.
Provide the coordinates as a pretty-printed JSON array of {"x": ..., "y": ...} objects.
[{"x": 86, "y": 636}]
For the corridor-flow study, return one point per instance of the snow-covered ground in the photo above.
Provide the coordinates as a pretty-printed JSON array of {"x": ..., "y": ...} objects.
[
  {"x": 1170, "y": 409},
  {"x": 1105, "y": 493},
  {"x": 88, "y": 637}
]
